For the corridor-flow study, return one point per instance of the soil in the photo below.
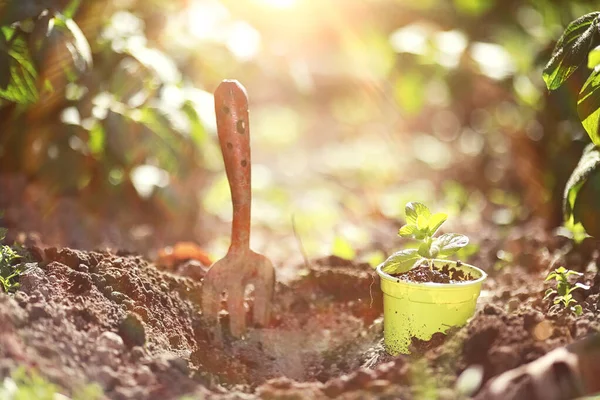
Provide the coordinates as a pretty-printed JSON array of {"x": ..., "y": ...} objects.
[
  {"x": 424, "y": 273},
  {"x": 116, "y": 319}
]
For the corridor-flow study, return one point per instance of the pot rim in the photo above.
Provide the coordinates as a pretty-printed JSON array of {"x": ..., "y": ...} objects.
[{"x": 391, "y": 279}]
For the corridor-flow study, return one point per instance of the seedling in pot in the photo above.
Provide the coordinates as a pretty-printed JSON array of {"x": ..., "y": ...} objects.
[
  {"x": 562, "y": 293},
  {"x": 422, "y": 225}
]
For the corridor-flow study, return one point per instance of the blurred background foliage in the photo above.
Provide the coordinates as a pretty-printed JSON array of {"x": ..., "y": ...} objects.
[{"x": 107, "y": 132}]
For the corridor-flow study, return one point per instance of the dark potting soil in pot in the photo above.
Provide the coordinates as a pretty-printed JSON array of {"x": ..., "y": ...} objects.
[{"x": 445, "y": 274}]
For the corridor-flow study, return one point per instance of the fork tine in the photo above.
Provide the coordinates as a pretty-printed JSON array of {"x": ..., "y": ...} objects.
[
  {"x": 211, "y": 300},
  {"x": 264, "y": 284},
  {"x": 237, "y": 311}
]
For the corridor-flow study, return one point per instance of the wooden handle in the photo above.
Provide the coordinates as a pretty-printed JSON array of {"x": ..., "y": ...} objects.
[{"x": 231, "y": 108}]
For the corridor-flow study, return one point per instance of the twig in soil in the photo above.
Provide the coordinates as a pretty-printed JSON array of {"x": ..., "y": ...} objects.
[{"x": 300, "y": 244}]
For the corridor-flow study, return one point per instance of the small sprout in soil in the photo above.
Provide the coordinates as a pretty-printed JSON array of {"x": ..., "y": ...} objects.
[
  {"x": 9, "y": 268},
  {"x": 422, "y": 226},
  {"x": 562, "y": 293}
]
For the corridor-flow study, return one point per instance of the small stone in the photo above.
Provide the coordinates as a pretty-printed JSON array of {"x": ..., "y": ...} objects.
[
  {"x": 492, "y": 309},
  {"x": 111, "y": 340},
  {"x": 543, "y": 330},
  {"x": 118, "y": 297},
  {"x": 144, "y": 375},
  {"x": 22, "y": 298},
  {"x": 180, "y": 364},
  {"x": 106, "y": 377},
  {"x": 128, "y": 304},
  {"x": 131, "y": 329},
  {"x": 137, "y": 353},
  {"x": 108, "y": 357},
  {"x": 32, "y": 278},
  {"x": 513, "y": 304},
  {"x": 38, "y": 311}
]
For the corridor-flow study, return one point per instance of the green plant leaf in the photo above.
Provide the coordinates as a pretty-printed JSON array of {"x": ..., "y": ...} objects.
[
  {"x": 577, "y": 310},
  {"x": 581, "y": 286},
  {"x": 435, "y": 221},
  {"x": 551, "y": 276},
  {"x": 77, "y": 43},
  {"x": 17, "y": 73},
  {"x": 401, "y": 261},
  {"x": 569, "y": 272},
  {"x": 594, "y": 58},
  {"x": 422, "y": 223},
  {"x": 448, "y": 244},
  {"x": 408, "y": 231},
  {"x": 413, "y": 210},
  {"x": 571, "y": 50},
  {"x": 425, "y": 250},
  {"x": 589, "y": 162},
  {"x": 588, "y": 106}
]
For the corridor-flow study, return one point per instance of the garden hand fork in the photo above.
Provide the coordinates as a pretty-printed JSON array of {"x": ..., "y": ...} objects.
[{"x": 241, "y": 266}]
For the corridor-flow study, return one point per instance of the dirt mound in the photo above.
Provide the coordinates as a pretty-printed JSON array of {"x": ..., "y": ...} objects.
[{"x": 115, "y": 319}]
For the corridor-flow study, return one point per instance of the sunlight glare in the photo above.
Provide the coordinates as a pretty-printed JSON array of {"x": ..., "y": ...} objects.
[
  {"x": 205, "y": 19},
  {"x": 278, "y": 3}
]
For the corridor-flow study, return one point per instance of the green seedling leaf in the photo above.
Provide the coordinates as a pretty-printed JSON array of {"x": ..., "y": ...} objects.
[
  {"x": 413, "y": 210},
  {"x": 577, "y": 310},
  {"x": 435, "y": 221},
  {"x": 551, "y": 276},
  {"x": 448, "y": 244},
  {"x": 401, "y": 261},
  {"x": 408, "y": 231},
  {"x": 569, "y": 272},
  {"x": 422, "y": 222},
  {"x": 571, "y": 50},
  {"x": 425, "y": 250},
  {"x": 549, "y": 293},
  {"x": 589, "y": 162}
]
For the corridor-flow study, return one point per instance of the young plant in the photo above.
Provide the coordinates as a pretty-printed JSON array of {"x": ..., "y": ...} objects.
[
  {"x": 9, "y": 272},
  {"x": 562, "y": 293},
  {"x": 422, "y": 226}
]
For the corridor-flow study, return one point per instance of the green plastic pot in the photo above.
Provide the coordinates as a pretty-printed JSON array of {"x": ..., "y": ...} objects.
[{"x": 412, "y": 309}]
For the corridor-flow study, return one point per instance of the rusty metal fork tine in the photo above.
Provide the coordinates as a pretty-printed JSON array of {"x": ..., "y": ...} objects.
[
  {"x": 264, "y": 284},
  {"x": 237, "y": 310},
  {"x": 211, "y": 299}
]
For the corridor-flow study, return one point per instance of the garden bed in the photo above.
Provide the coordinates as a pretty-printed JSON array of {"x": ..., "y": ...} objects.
[{"x": 115, "y": 319}]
